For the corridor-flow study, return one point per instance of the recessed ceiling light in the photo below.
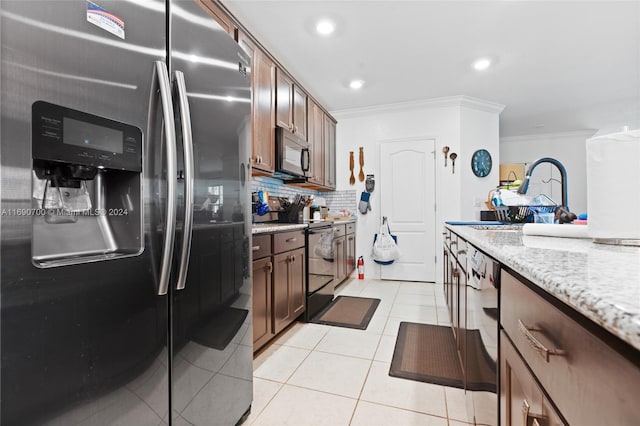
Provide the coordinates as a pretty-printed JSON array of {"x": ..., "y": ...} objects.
[
  {"x": 325, "y": 27},
  {"x": 482, "y": 64},
  {"x": 356, "y": 84}
]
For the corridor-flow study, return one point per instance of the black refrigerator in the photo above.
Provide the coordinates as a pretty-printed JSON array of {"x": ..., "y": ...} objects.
[{"x": 124, "y": 290}]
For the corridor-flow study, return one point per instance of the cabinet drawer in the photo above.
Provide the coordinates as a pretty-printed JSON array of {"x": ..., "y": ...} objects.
[
  {"x": 351, "y": 228},
  {"x": 260, "y": 246},
  {"x": 588, "y": 381},
  {"x": 522, "y": 400},
  {"x": 339, "y": 230},
  {"x": 288, "y": 241}
]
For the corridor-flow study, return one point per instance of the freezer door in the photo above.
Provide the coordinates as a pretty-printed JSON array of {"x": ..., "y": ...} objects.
[
  {"x": 211, "y": 321},
  {"x": 83, "y": 343}
]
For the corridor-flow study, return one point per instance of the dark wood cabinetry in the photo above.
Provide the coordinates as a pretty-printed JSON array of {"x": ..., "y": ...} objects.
[
  {"x": 329, "y": 137},
  {"x": 278, "y": 100},
  {"x": 344, "y": 246},
  {"x": 351, "y": 248},
  {"x": 289, "y": 295},
  {"x": 322, "y": 144},
  {"x": 586, "y": 381},
  {"x": 263, "y": 72},
  {"x": 262, "y": 314},
  {"x": 523, "y": 403},
  {"x": 340, "y": 256},
  {"x": 279, "y": 278},
  {"x": 221, "y": 18},
  {"x": 262, "y": 290},
  {"x": 284, "y": 100},
  {"x": 316, "y": 144},
  {"x": 291, "y": 105}
]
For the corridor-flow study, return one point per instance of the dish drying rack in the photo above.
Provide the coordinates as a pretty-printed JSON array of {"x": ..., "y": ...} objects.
[{"x": 520, "y": 214}]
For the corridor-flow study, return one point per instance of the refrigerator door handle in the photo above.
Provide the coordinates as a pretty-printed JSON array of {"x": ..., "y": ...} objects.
[
  {"x": 187, "y": 143},
  {"x": 172, "y": 166}
]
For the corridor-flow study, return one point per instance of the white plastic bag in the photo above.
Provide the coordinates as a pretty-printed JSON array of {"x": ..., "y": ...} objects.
[
  {"x": 385, "y": 250},
  {"x": 324, "y": 247}
]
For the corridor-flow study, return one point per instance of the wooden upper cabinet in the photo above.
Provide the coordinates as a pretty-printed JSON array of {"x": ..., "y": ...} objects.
[
  {"x": 291, "y": 105},
  {"x": 263, "y": 72},
  {"x": 220, "y": 17},
  {"x": 329, "y": 137},
  {"x": 299, "y": 112},
  {"x": 316, "y": 143},
  {"x": 284, "y": 100}
]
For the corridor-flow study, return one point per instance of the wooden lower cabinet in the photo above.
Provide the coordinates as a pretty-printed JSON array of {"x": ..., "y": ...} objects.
[
  {"x": 262, "y": 309},
  {"x": 588, "y": 381},
  {"x": 351, "y": 248},
  {"x": 288, "y": 287},
  {"x": 279, "y": 283},
  {"x": 521, "y": 400},
  {"x": 340, "y": 258}
]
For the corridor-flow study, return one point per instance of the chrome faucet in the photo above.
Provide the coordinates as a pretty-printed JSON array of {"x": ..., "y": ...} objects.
[{"x": 522, "y": 189}]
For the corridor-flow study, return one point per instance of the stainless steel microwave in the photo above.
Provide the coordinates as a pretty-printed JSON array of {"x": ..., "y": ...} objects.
[{"x": 293, "y": 155}]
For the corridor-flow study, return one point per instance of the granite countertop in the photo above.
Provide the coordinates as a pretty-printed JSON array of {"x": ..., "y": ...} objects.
[
  {"x": 602, "y": 282},
  {"x": 263, "y": 228}
]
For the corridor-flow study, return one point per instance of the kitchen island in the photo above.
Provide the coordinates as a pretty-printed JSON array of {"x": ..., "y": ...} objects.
[
  {"x": 601, "y": 282},
  {"x": 569, "y": 325}
]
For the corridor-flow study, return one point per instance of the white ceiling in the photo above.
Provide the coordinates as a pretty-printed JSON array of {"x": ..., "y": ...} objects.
[{"x": 560, "y": 66}]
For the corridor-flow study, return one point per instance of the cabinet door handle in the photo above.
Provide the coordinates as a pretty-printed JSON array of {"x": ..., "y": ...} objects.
[
  {"x": 269, "y": 267},
  {"x": 462, "y": 251},
  {"x": 525, "y": 412},
  {"x": 293, "y": 258},
  {"x": 255, "y": 248},
  {"x": 526, "y": 416},
  {"x": 541, "y": 349},
  {"x": 291, "y": 240},
  {"x": 454, "y": 243}
]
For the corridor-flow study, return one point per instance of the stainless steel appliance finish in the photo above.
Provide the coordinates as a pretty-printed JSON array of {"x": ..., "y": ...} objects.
[
  {"x": 140, "y": 317},
  {"x": 320, "y": 268},
  {"x": 482, "y": 315},
  {"x": 293, "y": 155}
]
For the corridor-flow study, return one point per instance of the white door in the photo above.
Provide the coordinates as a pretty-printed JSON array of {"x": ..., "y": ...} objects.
[{"x": 407, "y": 196}]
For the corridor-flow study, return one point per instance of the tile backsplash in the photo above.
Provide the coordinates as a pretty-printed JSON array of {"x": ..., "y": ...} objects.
[
  {"x": 341, "y": 200},
  {"x": 336, "y": 200}
]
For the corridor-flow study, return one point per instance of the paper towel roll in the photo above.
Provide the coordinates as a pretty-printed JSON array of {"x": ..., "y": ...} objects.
[
  {"x": 613, "y": 185},
  {"x": 555, "y": 230}
]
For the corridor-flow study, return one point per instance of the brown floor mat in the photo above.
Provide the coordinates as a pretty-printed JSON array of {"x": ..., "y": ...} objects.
[
  {"x": 427, "y": 353},
  {"x": 348, "y": 311}
]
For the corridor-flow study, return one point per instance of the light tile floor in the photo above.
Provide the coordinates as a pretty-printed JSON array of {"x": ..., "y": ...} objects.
[{"x": 321, "y": 375}]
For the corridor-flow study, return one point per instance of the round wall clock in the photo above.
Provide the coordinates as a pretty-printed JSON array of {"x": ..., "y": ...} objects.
[{"x": 481, "y": 163}]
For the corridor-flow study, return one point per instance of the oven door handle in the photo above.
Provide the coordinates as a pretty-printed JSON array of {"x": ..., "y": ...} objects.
[{"x": 318, "y": 230}]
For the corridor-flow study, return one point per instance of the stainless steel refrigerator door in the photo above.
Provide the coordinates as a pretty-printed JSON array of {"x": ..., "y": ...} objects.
[
  {"x": 81, "y": 344},
  {"x": 211, "y": 316}
]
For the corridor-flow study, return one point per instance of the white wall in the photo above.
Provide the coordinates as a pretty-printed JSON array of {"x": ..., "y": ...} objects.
[
  {"x": 439, "y": 119},
  {"x": 569, "y": 148},
  {"x": 479, "y": 130}
]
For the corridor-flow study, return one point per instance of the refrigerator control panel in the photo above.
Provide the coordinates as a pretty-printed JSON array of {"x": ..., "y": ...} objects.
[{"x": 71, "y": 136}]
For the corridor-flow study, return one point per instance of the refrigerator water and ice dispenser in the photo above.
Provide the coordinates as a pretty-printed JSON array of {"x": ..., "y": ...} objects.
[{"x": 86, "y": 187}]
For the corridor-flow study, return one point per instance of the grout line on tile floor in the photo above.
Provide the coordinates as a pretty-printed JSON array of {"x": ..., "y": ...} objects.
[{"x": 268, "y": 402}]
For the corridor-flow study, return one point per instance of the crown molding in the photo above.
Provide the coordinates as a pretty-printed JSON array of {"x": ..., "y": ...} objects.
[
  {"x": 443, "y": 102},
  {"x": 587, "y": 133}
]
